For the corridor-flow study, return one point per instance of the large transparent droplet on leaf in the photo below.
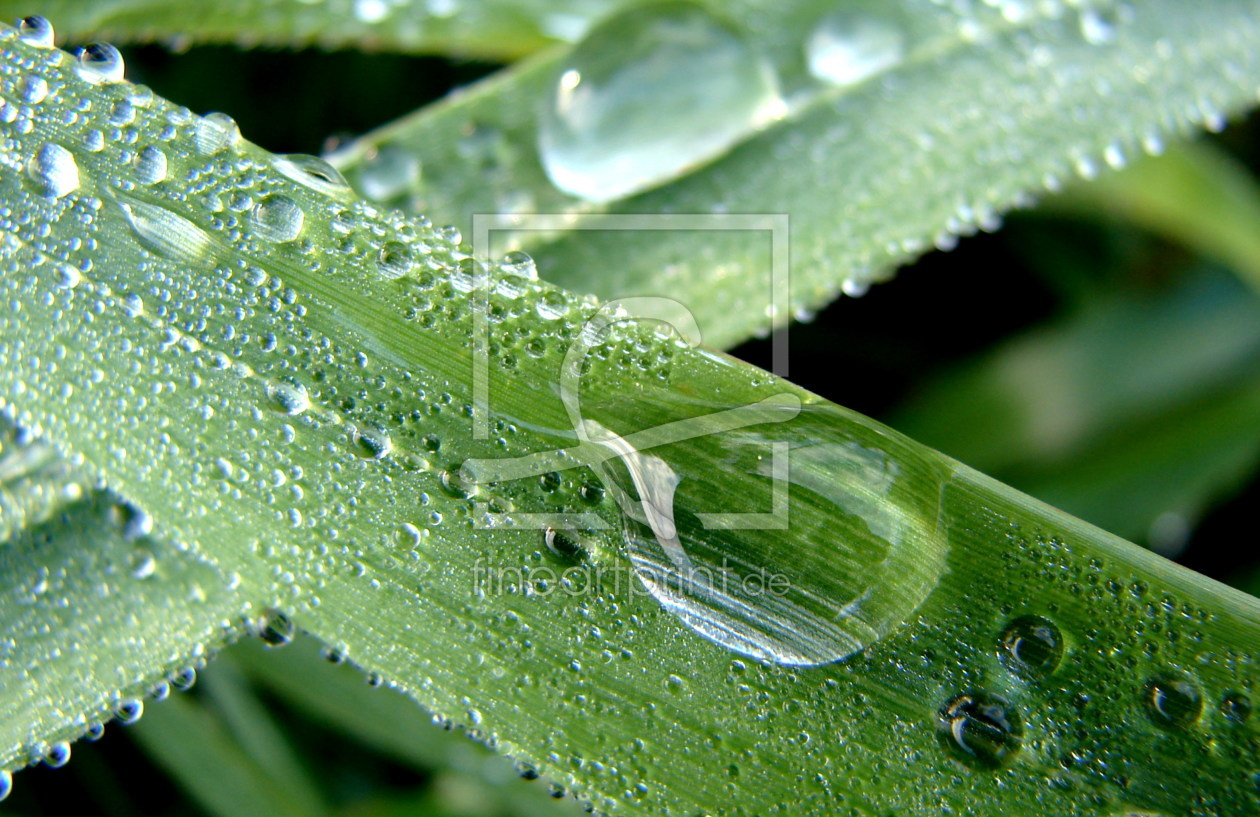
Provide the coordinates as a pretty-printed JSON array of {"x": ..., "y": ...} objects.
[{"x": 650, "y": 94}]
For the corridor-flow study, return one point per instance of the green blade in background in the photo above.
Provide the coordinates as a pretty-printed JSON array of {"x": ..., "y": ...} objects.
[
  {"x": 489, "y": 29},
  {"x": 287, "y": 380},
  {"x": 981, "y": 114}
]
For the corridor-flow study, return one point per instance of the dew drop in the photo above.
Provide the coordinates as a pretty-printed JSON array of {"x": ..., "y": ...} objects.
[
  {"x": 520, "y": 264},
  {"x": 275, "y": 629},
  {"x": 562, "y": 543},
  {"x": 313, "y": 172},
  {"x": 94, "y": 732},
  {"x": 765, "y": 583},
  {"x": 214, "y": 133},
  {"x": 151, "y": 165},
  {"x": 277, "y": 219},
  {"x": 981, "y": 728},
  {"x": 58, "y": 755},
  {"x": 6, "y": 777},
  {"x": 36, "y": 31},
  {"x": 649, "y": 94},
  {"x": 1097, "y": 28},
  {"x": 1031, "y": 646},
  {"x": 372, "y": 443},
  {"x": 33, "y": 89},
  {"x": 288, "y": 398},
  {"x": 1236, "y": 706},
  {"x": 183, "y": 680},
  {"x": 129, "y": 711},
  {"x": 1173, "y": 700},
  {"x": 100, "y": 64},
  {"x": 68, "y": 276},
  {"x": 333, "y": 655},
  {"x": 394, "y": 260},
  {"x": 847, "y": 47},
  {"x": 388, "y": 173},
  {"x": 54, "y": 170}
]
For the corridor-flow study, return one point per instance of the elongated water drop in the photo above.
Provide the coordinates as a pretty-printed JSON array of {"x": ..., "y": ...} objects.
[
  {"x": 848, "y": 46},
  {"x": 100, "y": 64},
  {"x": 215, "y": 132},
  {"x": 313, "y": 172},
  {"x": 277, "y": 219},
  {"x": 36, "y": 31},
  {"x": 54, "y": 170},
  {"x": 820, "y": 539},
  {"x": 649, "y": 94}
]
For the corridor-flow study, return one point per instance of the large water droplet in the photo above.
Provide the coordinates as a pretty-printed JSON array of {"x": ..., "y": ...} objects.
[
  {"x": 980, "y": 727},
  {"x": 33, "y": 89},
  {"x": 289, "y": 398},
  {"x": 36, "y": 31},
  {"x": 848, "y": 46},
  {"x": 6, "y": 777},
  {"x": 129, "y": 711},
  {"x": 275, "y": 629},
  {"x": 58, "y": 755},
  {"x": 1173, "y": 701},
  {"x": 53, "y": 170},
  {"x": 1031, "y": 646},
  {"x": 313, "y": 172},
  {"x": 100, "y": 64},
  {"x": 151, "y": 165},
  {"x": 394, "y": 260},
  {"x": 649, "y": 94},
  {"x": 820, "y": 538},
  {"x": 277, "y": 219},
  {"x": 215, "y": 132}
]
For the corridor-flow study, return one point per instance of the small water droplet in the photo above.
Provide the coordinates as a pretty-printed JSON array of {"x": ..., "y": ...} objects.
[
  {"x": 1173, "y": 700},
  {"x": 847, "y": 47},
  {"x": 33, "y": 89},
  {"x": 166, "y": 233},
  {"x": 649, "y": 94},
  {"x": 150, "y": 165},
  {"x": 214, "y": 133},
  {"x": 981, "y": 728},
  {"x": 389, "y": 172},
  {"x": 520, "y": 264},
  {"x": 58, "y": 755},
  {"x": 100, "y": 64},
  {"x": 1031, "y": 646},
  {"x": 372, "y": 443},
  {"x": 129, "y": 711},
  {"x": 94, "y": 732},
  {"x": 183, "y": 680},
  {"x": 1236, "y": 706},
  {"x": 68, "y": 276},
  {"x": 6, "y": 777},
  {"x": 54, "y": 170},
  {"x": 277, "y": 219},
  {"x": 394, "y": 260},
  {"x": 333, "y": 655},
  {"x": 275, "y": 629},
  {"x": 36, "y": 31}
]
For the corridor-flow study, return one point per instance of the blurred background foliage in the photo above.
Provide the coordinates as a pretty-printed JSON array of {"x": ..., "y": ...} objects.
[{"x": 1101, "y": 351}]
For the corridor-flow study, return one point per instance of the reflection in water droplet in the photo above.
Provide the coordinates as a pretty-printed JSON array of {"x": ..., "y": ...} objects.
[
  {"x": 129, "y": 711},
  {"x": 314, "y": 173},
  {"x": 275, "y": 629},
  {"x": 562, "y": 543},
  {"x": 649, "y": 94},
  {"x": 389, "y": 173},
  {"x": 766, "y": 583},
  {"x": 372, "y": 443},
  {"x": 981, "y": 728},
  {"x": 58, "y": 755},
  {"x": 288, "y": 398},
  {"x": 277, "y": 219},
  {"x": 6, "y": 781},
  {"x": 100, "y": 63},
  {"x": 150, "y": 165},
  {"x": 53, "y": 170},
  {"x": 1173, "y": 700},
  {"x": 36, "y": 31},
  {"x": 847, "y": 47},
  {"x": 1031, "y": 646}
]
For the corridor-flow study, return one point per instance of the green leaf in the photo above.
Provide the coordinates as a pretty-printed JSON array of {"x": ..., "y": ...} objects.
[
  {"x": 987, "y": 109},
  {"x": 494, "y": 29},
  {"x": 291, "y": 383}
]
